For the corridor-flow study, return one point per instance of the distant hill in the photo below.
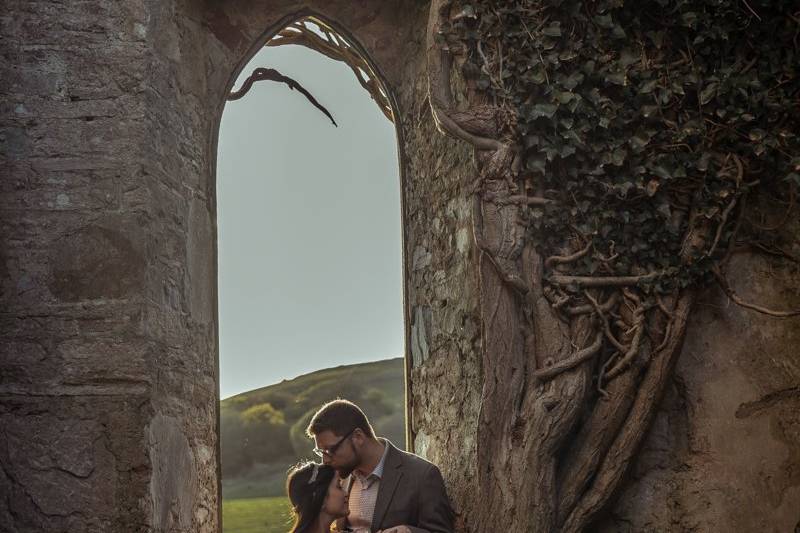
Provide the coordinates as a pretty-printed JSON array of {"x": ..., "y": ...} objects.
[{"x": 262, "y": 432}]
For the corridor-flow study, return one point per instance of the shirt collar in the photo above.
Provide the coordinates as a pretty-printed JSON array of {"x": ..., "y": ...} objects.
[{"x": 378, "y": 470}]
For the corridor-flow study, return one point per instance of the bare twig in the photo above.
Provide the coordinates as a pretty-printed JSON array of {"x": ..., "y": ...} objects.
[
  {"x": 751, "y": 9},
  {"x": 723, "y": 283},
  {"x": 721, "y": 226},
  {"x": 270, "y": 74},
  {"x": 665, "y": 337},
  {"x": 516, "y": 199},
  {"x": 661, "y": 305},
  {"x": 337, "y": 48},
  {"x": 604, "y": 281},
  {"x": 633, "y": 349},
  {"x": 606, "y": 306},
  {"x": 563, "y": 259},
  {"x": 736, "y": 228},
  {"x": 579, "y": 357},
  {"x": 776, "y": 251},
  {"x": 606, "y": 327},
  {"x": 601, "y": 375}
]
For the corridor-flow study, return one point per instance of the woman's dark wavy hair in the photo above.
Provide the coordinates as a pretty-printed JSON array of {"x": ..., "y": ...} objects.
[{"x": 306, "y": 496}]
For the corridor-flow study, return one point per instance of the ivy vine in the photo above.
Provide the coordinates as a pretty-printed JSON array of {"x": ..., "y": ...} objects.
[{"x": 636, "y": 119}]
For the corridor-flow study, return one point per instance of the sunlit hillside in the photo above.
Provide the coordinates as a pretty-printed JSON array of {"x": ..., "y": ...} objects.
[{"x": 263, "y": 430}]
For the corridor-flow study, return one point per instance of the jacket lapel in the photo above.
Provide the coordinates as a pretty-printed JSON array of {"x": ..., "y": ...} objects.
[{"x": 392, "y": 472}]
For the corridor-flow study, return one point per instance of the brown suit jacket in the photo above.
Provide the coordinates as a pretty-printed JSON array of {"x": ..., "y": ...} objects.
[{"x": 411, "y": 493}]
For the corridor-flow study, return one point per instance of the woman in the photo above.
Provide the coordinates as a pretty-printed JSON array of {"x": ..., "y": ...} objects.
[{"x": 317, "y": 497}]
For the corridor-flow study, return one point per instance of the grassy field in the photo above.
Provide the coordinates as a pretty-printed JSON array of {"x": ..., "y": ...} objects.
[{"x": 256, "y": 515}]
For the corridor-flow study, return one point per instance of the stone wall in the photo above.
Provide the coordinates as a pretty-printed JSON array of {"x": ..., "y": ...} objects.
[
  {"x": 109, "y": 338},
  {"x": 444, "y": 343}
]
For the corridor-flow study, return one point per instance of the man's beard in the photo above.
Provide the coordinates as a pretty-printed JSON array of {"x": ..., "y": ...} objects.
[{"x": 347, "y": 468}]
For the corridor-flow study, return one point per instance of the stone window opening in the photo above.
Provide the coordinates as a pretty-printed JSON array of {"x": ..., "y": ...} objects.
[{"x": 319, "y": 35}]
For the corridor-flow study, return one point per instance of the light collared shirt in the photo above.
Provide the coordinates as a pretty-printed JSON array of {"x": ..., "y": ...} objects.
[{"x": 364, "y": 494}]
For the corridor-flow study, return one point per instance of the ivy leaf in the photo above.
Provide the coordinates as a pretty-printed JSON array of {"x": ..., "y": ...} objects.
[
  {"x": 553, "y": 30},
  {"x": 625, "y": 188},
  {"x": 708, "y": 93},
  {"x": 466, "y": 12},
  {"x": 604, "y": 21},
  {"x": 538, "y": 76},
  {"x": 570, "y": 135},
  {"x": 543, "y": 110},
  {"x": 550, "y": 153},
  {"x": 617, "y": 78},
  {"x": 661, "y": 172},
  {"x": 628, "y": 57},
  {"x": 568, "y": 55},
  {"x": 531, "y": 141},
  {"x": 573, "y": 80},
  {"x": 639, "y": 141},
  {"x": 535, "y": 163},
  {"x": 648, "y": 86},
  {"x": 568, "y": 150},
  {"x": 657, "y": 37},
  {"x": 793, "y": 177},
  {"x": 649, "y": 110},
  {"x": 689, "y": 19},
  {"x": 702, "y": 163},
  {"x": 564, "y": 97}
]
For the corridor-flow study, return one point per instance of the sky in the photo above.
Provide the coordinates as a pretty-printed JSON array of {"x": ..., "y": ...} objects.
[{"x": 308, "y": 226}]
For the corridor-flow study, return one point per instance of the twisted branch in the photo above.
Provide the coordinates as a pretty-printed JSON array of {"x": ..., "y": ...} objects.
[
  {"x": 440, "y": 62},
  {"x": 335, "y": 47},
  {"x": 270, "y": 74},
  {"x": 604, "y": 281},
  {"x": 581, "y": 356},
  {"x": 563, "y": 259}
]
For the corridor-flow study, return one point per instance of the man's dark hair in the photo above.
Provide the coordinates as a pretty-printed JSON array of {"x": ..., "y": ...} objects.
[{"x": 340, "y": 417}]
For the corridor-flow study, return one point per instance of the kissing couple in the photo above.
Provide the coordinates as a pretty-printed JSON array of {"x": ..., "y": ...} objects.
[{"x": 364, "y": 484}]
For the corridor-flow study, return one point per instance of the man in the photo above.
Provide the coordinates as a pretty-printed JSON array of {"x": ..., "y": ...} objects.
[{"x": 391, "y": 491}]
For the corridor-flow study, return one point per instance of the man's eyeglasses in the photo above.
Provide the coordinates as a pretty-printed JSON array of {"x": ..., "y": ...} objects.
[{"x": 332, "y": 450}]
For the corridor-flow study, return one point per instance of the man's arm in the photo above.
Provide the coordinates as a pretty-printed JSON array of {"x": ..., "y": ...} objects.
[{"x": 435, "y": 512}]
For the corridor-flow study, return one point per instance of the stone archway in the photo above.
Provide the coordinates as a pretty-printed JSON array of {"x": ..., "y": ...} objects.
[
  {"x": 440, "y": 262},
  {"x": 369, "y": 249}
]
